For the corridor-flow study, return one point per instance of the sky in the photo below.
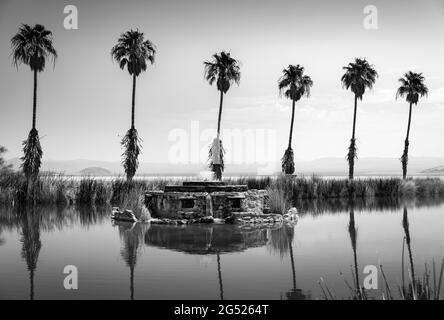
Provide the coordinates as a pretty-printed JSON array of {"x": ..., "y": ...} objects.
[{"x": 84, "y": 101}]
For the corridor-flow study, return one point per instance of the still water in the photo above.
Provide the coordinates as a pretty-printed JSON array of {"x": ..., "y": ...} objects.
[{"x": 142, "y": 261}]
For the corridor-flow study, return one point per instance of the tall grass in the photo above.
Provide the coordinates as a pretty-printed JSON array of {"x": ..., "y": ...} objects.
[
  {"x": 319, "y": 188},
  {"x": 58, "y": 189}
]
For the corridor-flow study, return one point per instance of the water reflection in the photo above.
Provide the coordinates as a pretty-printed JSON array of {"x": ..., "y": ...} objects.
[
  {"x": 30, "y": 238},
  {"x": 352, "y": 231},
  {"x": 318, "y": 207},
  {"x": 131, "y": 235},
  {"x": 281, "y": 243},
  {"x": 307, "y": 251},
  {"x": 205, "y": 239},
  {"x": 219, "y": 274}
]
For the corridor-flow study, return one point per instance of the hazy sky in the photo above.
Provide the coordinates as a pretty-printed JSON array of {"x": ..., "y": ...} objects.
[{"x": 84, "y": 103}]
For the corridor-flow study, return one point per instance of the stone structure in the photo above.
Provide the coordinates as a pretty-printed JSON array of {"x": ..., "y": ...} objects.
[{"x": 194, "y": 200}]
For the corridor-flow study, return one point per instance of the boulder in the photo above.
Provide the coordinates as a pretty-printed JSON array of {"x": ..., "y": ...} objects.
[
  {"x": 291, "y": 215},
  {"x": 207, "y": 219},
  {"x": 126, "y": 215}
]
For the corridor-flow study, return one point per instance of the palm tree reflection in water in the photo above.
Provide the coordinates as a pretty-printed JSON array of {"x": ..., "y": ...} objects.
[
  {"x": 131, "y": 235},
  {"x": 281, "y": 242},
  {"x": 360, "y": 294},
  {"x": 31, "y": 244}
]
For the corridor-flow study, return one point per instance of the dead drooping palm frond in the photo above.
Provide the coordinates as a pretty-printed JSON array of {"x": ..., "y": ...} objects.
[
  {"x": 32, "y": 158},
  {"x": 351, "y": 156},
  {"x": 131, "y": 144},
  {"x": 217, "y": 166},
  {"x": 288, "y": 161},
  {"x": 405, "y": 159}
]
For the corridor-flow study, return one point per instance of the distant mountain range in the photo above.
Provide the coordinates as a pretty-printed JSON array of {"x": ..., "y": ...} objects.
[
  {"x": 436, "y": 170},
  {"x": 322, "y": 166},
  {"x": 95, "y": 171}
]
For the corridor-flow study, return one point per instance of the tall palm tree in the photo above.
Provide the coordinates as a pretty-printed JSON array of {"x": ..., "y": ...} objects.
[
  {"x": 412, "y": 88},
  {"x": 359, "y": 75},
  {"x": 133, "y": 52},
  {"x": 294, "y": 85},
  {"x": 224, "y": 70},
  {"x": 32, "y": 46}
]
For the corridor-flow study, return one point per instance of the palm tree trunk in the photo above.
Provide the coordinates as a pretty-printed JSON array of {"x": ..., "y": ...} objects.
[
  {"x": 31, "y": 281},
  {"x": 132, "y": 282},
  {"x": 292, "y": 265},
  {"x": 352, "y": 148},
  {"x": 291, "y": 125},
  {"x": 405, "y": 224},
  {"x": 353, "y": 236},
  {"x": 220, "y": 112},
  {"x": 405, "y": 155},
  {"x": 219, "y": 272},
  {"x": 133, "y": 104},
  {"x": 34, "y": 103}
]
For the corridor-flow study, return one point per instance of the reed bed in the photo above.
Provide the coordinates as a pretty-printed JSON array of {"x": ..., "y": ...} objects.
[
  {"x": 318, "y": 188},
  {"x": 60, "y": 189},
  {"x": 427, "y": 287}
]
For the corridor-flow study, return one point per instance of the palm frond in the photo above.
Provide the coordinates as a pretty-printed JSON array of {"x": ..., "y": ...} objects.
[
  {"x": 132, "y": 148},
  {"x": 217, "y": 167},
  {"x": 352, "y": 155},
  {"x": 133, "y": 51},
  {"x": 288, "y": 161},
  {"x": 405, "y": 158},
  {"x": 33, "y": 46},
  {"x": 32, "y": 150},
  {"x": 412, "y": 87},
  {"x": 293, "y": 84},
  {"x": 359, "y": 75},
  {"x": 224, "y": 70}
]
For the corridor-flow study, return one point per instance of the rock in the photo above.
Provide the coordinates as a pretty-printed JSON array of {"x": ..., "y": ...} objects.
[
  {"x": 219, "y": 221},
  {"x": 291, "y": 215},
  {"x": 126, "y": 215},
  {"x": 207, "y": 219},
  {"x": 230, "y": 219}
]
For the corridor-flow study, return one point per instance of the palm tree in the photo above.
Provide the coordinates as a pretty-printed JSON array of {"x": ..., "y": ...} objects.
[
  {"x": 133, "y": 52},
  {"x": 358, "y": 76},
  {"x": 32, "y": 46},
  {"x": 412, "y": 88},
  {"x": 294, "y": 85},
  {"x": 224, "y": 70}
]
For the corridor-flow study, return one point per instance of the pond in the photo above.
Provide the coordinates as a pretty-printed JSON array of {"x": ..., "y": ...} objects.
[{"x": 330, "y": 241}]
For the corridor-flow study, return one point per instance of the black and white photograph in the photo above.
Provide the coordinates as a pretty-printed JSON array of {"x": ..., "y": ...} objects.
[{"x": 236, "y": 150}]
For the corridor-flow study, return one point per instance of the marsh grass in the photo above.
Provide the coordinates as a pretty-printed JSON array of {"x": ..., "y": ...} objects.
[
  {"x": 427, "y": 287},
  {"x": 59, "y": 189},
  {"x": 318, "y": 188},
  {"x": 278, "y": 201}
]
